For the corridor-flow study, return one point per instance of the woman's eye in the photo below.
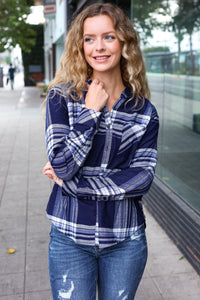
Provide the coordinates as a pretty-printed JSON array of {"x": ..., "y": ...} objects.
[
  {"x": 110, "y": 37},
  {"x": 88, "y": 39}
]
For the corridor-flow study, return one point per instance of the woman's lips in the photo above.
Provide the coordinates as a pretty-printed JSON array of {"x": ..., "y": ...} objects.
[{"x": 101, "y": 58}]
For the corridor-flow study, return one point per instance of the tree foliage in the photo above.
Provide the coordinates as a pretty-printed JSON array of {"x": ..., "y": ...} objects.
[
  {"x": 188, "y": 15},
  {"x": 186, "y": 20},
  {"x": 145, "y": 16},
  {"x": 13, "y": 27}
]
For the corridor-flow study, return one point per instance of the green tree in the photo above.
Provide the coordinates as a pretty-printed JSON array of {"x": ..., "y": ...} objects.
[
  {"x": 186, "y": 20},
  {"x": 145, "y": 16},
  {"x": 13, "y": 26}
]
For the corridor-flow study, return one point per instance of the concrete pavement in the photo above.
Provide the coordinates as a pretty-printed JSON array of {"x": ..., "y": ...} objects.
[{"x": 24, "y": 193}]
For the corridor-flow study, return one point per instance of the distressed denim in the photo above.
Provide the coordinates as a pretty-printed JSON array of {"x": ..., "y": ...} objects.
[{"x": 76, "y": 270}]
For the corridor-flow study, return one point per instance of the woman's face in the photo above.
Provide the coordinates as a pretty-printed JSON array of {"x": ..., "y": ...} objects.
[{"x": 102, "y": 48}]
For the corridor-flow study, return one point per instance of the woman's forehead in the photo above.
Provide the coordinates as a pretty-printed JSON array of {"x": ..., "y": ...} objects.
[{"x": 98, "y": 23}]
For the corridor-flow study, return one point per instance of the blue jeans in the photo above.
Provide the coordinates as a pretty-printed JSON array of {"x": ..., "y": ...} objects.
[{"x": 76, "y": 270}]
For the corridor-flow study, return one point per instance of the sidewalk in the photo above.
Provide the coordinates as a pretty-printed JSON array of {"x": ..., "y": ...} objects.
[{"x": 24, "y": 193}]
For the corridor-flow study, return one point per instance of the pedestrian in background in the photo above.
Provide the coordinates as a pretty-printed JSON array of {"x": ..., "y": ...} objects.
[
  {"x": 11, "y": 74},
  {"x": 101, "y": 136}
]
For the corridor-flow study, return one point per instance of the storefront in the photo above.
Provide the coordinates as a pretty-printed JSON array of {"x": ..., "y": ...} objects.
[{"x": 173, "y": 68}]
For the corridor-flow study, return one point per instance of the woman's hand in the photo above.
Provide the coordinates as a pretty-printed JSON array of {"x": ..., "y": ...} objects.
[
  {"x": 48, "y": 171},
  {"x": 97, "y": 96}
]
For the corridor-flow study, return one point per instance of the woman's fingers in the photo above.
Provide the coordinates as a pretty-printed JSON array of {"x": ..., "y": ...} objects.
[
  {"x": 47, "y": 167},
  {"x": 48, "y": 171},
  {"x": 97, "y": 96}
]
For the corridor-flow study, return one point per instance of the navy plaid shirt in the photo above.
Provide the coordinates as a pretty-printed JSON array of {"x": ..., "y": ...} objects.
[{"x": 107, "y": 162}]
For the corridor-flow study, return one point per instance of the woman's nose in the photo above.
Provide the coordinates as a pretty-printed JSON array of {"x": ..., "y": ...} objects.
[{"x": 100, "y": 45}]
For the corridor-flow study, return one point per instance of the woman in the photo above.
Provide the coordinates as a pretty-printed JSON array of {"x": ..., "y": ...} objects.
[{"x": 101, "y": 135}]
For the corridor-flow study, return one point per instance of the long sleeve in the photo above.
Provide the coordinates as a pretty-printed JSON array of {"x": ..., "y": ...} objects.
[
  {"x": 133, "y": 181},
  {"x": 70, "y": 129}
]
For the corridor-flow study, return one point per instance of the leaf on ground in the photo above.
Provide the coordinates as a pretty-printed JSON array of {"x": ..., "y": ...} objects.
[
  {"x": 181, "y": 257},
  {"x": 11, "y": 251}
]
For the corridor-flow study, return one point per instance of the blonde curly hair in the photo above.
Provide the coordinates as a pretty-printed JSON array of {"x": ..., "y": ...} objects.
[{"x": 75, "y": 69}]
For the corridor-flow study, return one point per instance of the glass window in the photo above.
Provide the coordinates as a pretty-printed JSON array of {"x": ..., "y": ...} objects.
[{"x": 172, "y": 59}]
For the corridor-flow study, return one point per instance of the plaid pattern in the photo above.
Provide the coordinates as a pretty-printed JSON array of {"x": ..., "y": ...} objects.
[{"x": 107, "y": 162}]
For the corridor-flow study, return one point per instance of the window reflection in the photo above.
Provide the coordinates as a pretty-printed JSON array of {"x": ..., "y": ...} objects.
[{"x": 174, "y": 79}]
